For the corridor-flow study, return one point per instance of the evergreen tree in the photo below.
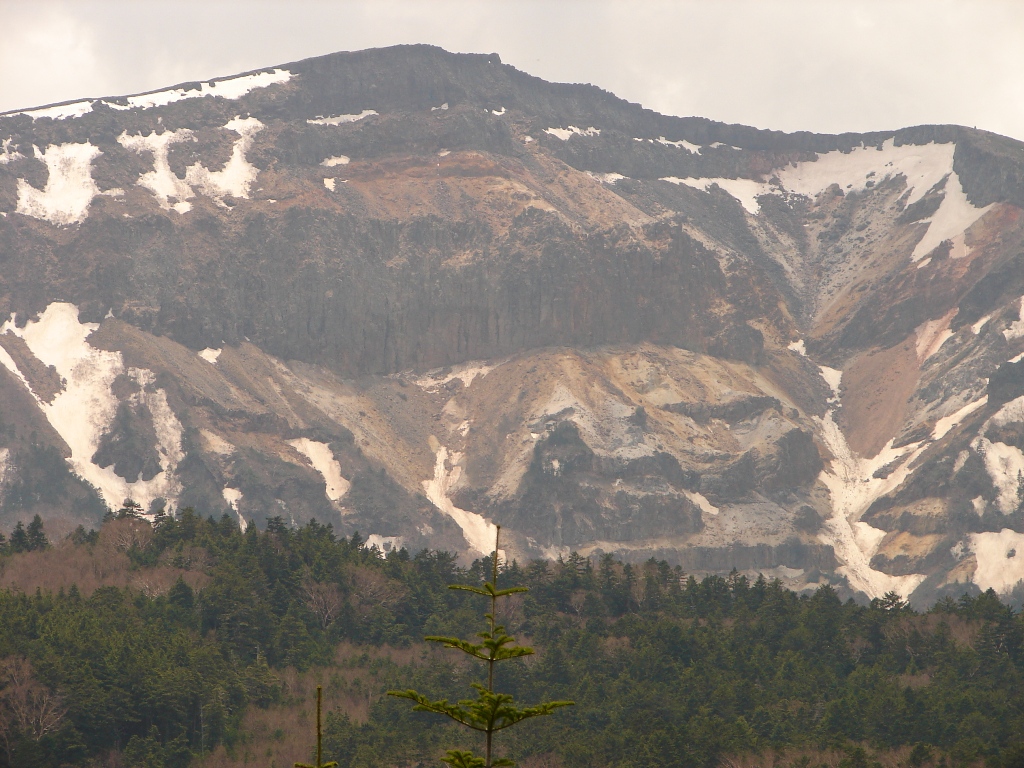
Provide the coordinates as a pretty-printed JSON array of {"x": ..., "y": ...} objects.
[
  {"x": 19, "y": 539},
  {"x": 36, "y": 535},
  {"x": 489, "y": 712}
]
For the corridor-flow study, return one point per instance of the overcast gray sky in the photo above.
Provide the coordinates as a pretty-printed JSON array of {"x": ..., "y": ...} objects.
[{"x": 821, "y": 65}]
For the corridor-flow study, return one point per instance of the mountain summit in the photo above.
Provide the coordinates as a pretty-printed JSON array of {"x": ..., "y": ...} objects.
[{"x": 412, "y": 293}]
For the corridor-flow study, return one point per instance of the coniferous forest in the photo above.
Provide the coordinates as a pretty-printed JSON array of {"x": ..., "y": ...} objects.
[{"x": 188, "y": 642}]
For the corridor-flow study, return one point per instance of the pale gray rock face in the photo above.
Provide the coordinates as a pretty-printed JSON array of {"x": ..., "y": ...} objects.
[{"x": 411, "y": 294}]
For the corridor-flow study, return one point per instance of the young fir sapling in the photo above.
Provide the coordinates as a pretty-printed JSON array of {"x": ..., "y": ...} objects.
[{"x": 489, "y": 712}]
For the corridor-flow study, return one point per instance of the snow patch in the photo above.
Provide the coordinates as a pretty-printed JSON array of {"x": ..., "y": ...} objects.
[
  {"x": 976, "y": 328},
  {"x": 1005, "y": 465},
  {"x": 954, "y": 217},
  {"x": 214, "y": 443},
  {"x": 323, "y": 461},
  {"x": 498, "y": 112},
  {"x": 693, "y": 149},
  {"x": 566, "y": 133},
  {"x": 832, "y": 377},
  {"x": 233, "y": 497},
  {"x": 161, "y": 181},
  {"x": 58, "y": 112},
  {"x": 384, "y": 544},
  {"x": 746, "y": 191},
  {"x": 702, "y": 502},
  {"x": 465, "y": 373},
  {"x": 329, "y": 184},
  {"x": 946, "y": 423},
  {"x": 82, "y": 412},
  {"x": 69, "y": 189},
  {"x": 238, "y": 174},
  {"x": 8, "y": 155},
  {"x": 932, "y": 335},
  {"x": 330, "y": 162},
  {"x": 479, "y": 533},
  {"x": 799, "y": 347},
  {"x": 1000, "y": 559},
  {"x": 605, "y": 178},
  {"x": 210, "y": 355},
  {"x": 442, "y": 108},
  {"x": 341, "y": 119}
]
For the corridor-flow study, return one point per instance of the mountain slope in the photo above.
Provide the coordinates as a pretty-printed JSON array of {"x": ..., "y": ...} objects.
[{"x": 411, "y": 293}]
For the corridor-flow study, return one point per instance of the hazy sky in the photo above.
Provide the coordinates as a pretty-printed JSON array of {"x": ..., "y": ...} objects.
[{"x": 822, "y": 65}]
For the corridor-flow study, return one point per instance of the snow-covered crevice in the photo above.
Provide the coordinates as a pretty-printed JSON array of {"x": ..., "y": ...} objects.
[
  {"x": 853, "y": 487},
  {"x": 342, "y": 119},
  {"x": 323, "y": 461},
  {"x": 238, "y": 174},
  {"x": 953, "y": 218},
  {"x": 479, "y": 533},
  {"x": 566, "y": 133},
  {"x": 69, "y": 189},
  {"x": 1000, "y": 558},
  {"x": 83, "y": 411},
  {"x": 161, "y": 181}
]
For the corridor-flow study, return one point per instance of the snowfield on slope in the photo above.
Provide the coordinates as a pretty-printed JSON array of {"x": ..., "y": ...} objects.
[{"x": 82, "y": 412}]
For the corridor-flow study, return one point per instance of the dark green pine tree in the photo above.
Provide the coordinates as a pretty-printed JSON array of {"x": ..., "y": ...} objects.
[
  {"x": 36, "y": 535},
  {"x": 19, "y": 539},
  {"x": 490, "y": 711}
]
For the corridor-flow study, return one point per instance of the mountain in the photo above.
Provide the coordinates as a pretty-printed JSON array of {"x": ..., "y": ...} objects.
[{"x": 413, "y": 293}]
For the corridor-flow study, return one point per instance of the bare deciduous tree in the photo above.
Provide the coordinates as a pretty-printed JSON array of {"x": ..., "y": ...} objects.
[
  {"x": 324, "y": 600},
  {"x": 374, "y": 588},
  {"x": 26, "y": 705}
]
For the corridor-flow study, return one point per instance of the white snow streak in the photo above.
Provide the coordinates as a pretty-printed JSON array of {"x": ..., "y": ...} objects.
[
  {"x": 465, "y": 373},
  {"x": 479, "y": 533},
  {"x": 69, "y": 189},
  {"x": 340, "y": 119},
  {"x": 233, "y": 88},
  {"x": 233, "y": 497},
  {"x": 58, "y": 112},
  {"x": 701, "y": 502},
  {"x": 323, "y": 461},
  {"x": 976, "y": 328},
  {"x": 330, "y": 162},
  {"x": 946, "y": 423},
  {"x": 384, "y": 544},
  {"x": 605, "y": 178},
  {"x": 853, "y": 487},
  {"x": 1005, "y": 465}
]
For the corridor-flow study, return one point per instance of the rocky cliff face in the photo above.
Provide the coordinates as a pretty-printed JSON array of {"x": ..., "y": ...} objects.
[{"x": 413, "y": 293}]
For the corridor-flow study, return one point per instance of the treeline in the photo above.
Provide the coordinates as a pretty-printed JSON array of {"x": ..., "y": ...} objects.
[{"x": 666, "y": 670}]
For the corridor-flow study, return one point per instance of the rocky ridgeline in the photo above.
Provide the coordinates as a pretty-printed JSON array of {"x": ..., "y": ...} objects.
[{"x": 412, "y": 293}]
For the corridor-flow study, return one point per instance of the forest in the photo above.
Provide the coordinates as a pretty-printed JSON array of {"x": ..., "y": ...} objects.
[{"x": 187, "y": 642}]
